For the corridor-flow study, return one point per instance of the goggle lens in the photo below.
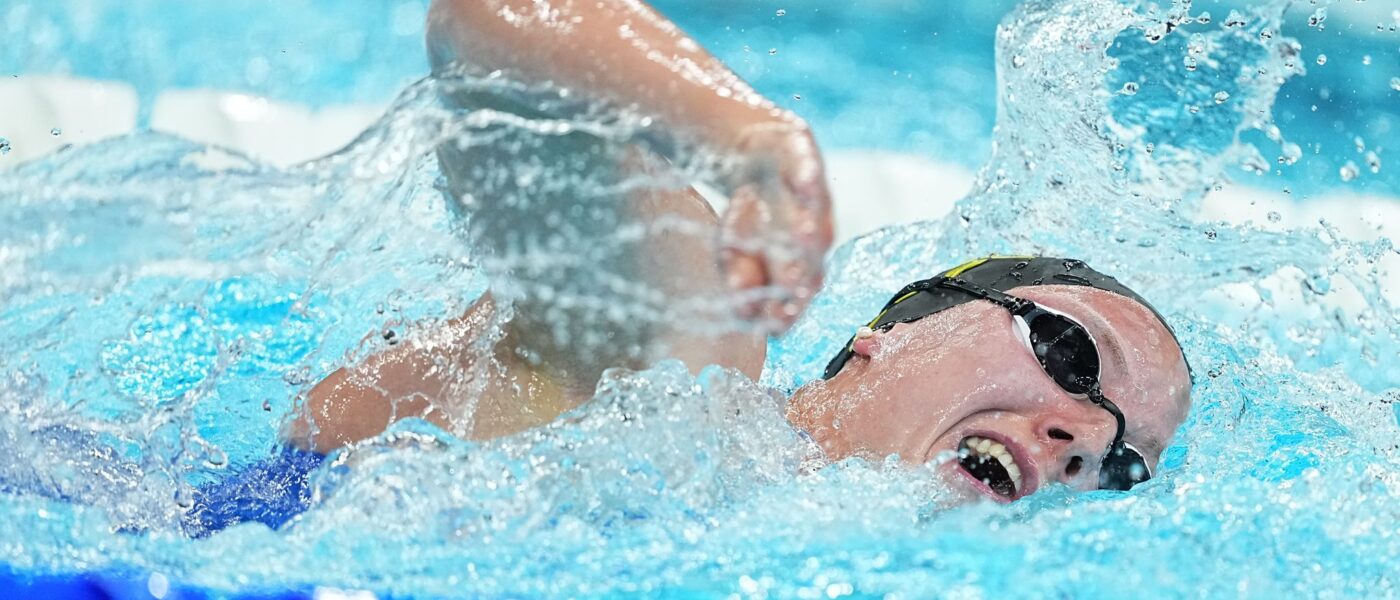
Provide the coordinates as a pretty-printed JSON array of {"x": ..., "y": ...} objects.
[
  {"x": 1065, "y": 351},
  {"x": 1123, "y": 468}
]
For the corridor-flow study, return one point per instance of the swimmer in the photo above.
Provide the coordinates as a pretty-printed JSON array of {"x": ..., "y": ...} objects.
[{"x": 1028, "y": 371}]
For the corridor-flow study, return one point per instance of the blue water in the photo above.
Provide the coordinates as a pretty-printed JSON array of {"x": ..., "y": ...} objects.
[
  {"x": 161, "y": 316},
  {"x": 897, "y": 75}
]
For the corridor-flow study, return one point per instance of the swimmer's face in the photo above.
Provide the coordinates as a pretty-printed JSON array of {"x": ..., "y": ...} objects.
[{"x": 925, "y": 389}]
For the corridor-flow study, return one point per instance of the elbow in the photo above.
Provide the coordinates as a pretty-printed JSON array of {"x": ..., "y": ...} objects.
[{"x": 439, "y": 38}]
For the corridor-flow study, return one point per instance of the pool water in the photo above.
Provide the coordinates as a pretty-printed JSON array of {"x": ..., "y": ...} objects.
[{"x": 166, "y": 302}]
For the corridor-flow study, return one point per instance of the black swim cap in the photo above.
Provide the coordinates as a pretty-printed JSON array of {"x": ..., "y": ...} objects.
[{"x": 1000, "y": 273}]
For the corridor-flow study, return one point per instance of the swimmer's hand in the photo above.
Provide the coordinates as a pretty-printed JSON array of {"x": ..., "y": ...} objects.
[{"x": 777, "y": 227}]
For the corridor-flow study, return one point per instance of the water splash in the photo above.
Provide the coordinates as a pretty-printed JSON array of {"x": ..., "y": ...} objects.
[{"x": 143, "y": 359}]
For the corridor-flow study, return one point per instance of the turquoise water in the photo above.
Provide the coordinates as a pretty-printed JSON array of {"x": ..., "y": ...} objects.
[{"x": 165, "y": 303}]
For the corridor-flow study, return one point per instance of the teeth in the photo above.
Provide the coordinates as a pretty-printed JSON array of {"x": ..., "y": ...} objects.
[{"x": 989, "y": 448}]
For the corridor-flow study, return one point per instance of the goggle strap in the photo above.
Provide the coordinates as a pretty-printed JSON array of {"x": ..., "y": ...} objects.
[{"x": 1098, "y": 398}]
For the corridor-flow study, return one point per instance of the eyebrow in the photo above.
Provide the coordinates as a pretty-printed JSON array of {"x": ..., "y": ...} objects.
[
  {"x": 1115, "y": 348},
  {"x": 1147, "y": 442}
]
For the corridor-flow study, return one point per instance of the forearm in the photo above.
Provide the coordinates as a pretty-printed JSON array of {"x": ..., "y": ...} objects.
[{"x": 619, "y": 51}]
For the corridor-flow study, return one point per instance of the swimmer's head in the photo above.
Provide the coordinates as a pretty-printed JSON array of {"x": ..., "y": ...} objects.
[{"x": 961, "y": 385}]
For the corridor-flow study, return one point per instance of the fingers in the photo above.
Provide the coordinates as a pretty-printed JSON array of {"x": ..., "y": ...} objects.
[
  {"x": 744, "y": 266},
  {"x": 778, "y": 228},
  {"x": 809, "y": 223},
  {"x": 776, "y": 233}
]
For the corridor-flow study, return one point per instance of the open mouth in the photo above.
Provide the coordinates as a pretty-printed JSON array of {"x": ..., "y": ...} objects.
[{"x": 991, "y": 463}]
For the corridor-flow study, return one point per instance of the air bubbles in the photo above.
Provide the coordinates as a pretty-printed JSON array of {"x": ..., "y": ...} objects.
[
  {"x": 1349, "y": 171},
  {"x": 772, "y": 51},
  {"x": 1321, "y": 59},
  {"x": 782, "y": 12},
  {"x": 55, "y": 132},
  {"x": 1211, "y": 234},
  {"x": 1018, "y": 61},
  {"x": 797, "y": 96},
  {"x": 4, "y": 146},
  {"x": 1274, "y": 216},
  {"x": 1373, "y": 161},
  {"x": 1395, "y": 83},
  {"x": 1235, "y": 19},
  {"x": 1366, "y": 60},
  {"x": 1222, "y": 97},
  {"x": 1129, "y": 89},
  {"x": 1203, "y": 18},
  {"x": 1290, "y": 153}
]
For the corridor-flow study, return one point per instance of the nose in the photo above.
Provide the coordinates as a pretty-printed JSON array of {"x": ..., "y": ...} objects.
[{"x": 1075, "y": 443}]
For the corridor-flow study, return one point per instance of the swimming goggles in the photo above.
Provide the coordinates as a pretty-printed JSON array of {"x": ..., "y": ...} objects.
[{"x": 1067, "y": 353}]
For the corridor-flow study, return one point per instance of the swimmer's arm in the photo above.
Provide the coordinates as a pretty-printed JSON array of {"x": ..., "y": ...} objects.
[
  {"x": 620, "y": 51},
  {"x": 414, "y": 379},
  {"x": 624, "y": 52}
]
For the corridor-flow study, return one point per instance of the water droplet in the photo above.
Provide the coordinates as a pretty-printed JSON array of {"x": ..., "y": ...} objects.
[
  {"x": 1190, "y": 62},
  {"x": 1360, "y": 144},
  {"x": 772, "y": 51},
  {"x": 1373, "y": 161},
  {"x": 1204, "y": 18},
  {"x": 1235, "y": 19},
  {"x": 1318, "y": 17},
  {"x": 1366, "y": 60},
  {"x": 1193, "y": 109},
  {"x": 1395, "y": 83},
  {"x": 782, "y": 12},
  {"x": 267, "y": 406},
  {"x": 1129, "y": 88},
  {"x": 1291, "y": 153},
  {"x": 1274, "y": 216},
  {"x": 184, "y": 497},
  {"x": 1018, "y": 61},
  {"x": 1221, "y": 97},
  {"x": 1349, "y": 171},
  {"x": 55, "y": 132},
  {"x": 797, "y": 96},
  {"x": 1321, "y": 59},
  {"x": 1210, "y": 234},
  {"x": 4, "y": 146},
  {"x": 216, "y": 458}
]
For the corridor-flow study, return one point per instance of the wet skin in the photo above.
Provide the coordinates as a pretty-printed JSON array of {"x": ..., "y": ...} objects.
[
  {"x": 916, "y": 391},
  {"x": 919, "y": 389}
]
